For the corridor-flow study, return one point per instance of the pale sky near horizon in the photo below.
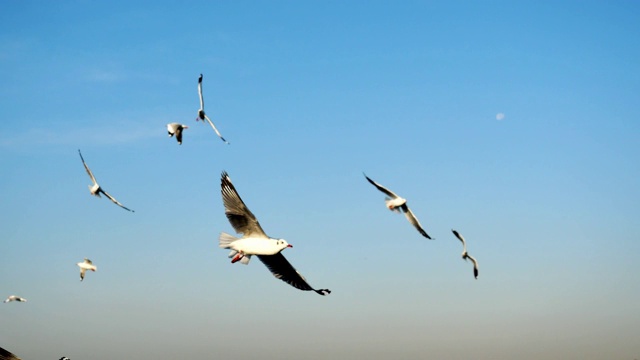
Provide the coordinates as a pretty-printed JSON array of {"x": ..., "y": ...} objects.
[{"x": 515, "y": 123}]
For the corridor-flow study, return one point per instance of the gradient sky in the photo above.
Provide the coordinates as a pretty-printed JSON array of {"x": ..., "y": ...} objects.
[{"x": 311, "y": 94}]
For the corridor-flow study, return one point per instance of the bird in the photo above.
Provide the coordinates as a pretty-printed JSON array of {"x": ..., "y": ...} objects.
[
  {"x": 465, "y": 254},
  {"x": 84, "y": 266},
  {"x": 201, "y": 114},
  {"x": 6, "y": 355},
  {"x": 96, "y": 189},
  {"x": 176, "y": 129},
  {"x": 64, "y": 358},
  {"x": 396, "y": 203},
  {"x": 15, "y": 298},
  {"x": 254, "y": 241}
]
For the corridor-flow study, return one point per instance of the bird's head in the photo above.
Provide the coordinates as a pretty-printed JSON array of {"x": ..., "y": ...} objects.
[{"x": 283, "y": 244}]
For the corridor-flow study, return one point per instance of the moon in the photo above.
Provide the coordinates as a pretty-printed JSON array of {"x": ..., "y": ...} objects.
[{"x": 499, "y": 116}]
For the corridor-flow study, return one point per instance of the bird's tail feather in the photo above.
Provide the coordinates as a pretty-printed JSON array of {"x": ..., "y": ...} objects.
[
  {"x": 226, "y": 240},
  {"x": 245, "y": 259}
]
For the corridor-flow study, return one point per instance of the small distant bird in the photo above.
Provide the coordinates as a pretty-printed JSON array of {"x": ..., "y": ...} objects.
[
  {"x": 15, "y": 298},
  {"x": 84, "y": 266},
  {"x": 395, "y": 203},
  {"x": 466, "y": 255},
  {"x": 176, "y": 129},
  {"x": 201, "y": 115},
  {"x": 64, "y": 358},
  {"x": 95, "y": 189},
  {"x": 255, "y": 242},
  {"x": 6, "y": 355}
]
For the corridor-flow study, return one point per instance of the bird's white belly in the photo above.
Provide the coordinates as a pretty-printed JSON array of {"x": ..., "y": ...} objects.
[
  {"x": 256, "y": 246},
  {"x": 394, "y": 203},
  {"x": 94, "y": 189}
]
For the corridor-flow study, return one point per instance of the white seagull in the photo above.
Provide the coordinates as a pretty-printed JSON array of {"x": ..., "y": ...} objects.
[
  {"x": 176, "y": 129},
  {"x": 95, "y": 189},
  {"x": 201, "y": 115},
  {"x": 396, "y": 203},
  {"x": 84, "y": 266},
  {"x": 15, "y": 298},
  {"x": 6, "y": 355},
  {"x": 465, "y": 254},
  {"x": 254, "y": 241}
]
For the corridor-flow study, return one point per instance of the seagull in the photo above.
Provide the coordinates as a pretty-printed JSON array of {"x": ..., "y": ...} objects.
[
  {"x": 176, "y": 129},
  {"x": 201, "y": 115},
  {"x": 15, "y": 298},
  {"x": 5, "y": 355},
  {"x": 254, "y": 241},
  {"x": 396, "y": 203},
  {"x": 96, "y": 190},
  {"x": 84, "y": 266},
  {"x": 466, "y": 255}
]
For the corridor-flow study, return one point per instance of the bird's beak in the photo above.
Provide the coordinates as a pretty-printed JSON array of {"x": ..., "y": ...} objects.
[{"x": 289, "y": 245}]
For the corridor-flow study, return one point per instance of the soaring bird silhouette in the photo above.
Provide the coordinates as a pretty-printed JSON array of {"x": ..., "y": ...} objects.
[{"x": 396, "y": 203}]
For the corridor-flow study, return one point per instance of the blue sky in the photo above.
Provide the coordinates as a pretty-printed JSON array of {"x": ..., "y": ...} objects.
[{"x": 311, "y": 95}]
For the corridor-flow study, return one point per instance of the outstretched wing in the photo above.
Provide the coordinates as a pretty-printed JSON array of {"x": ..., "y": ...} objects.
[
  {"x": 114, "y": 200},
  {"x": 179, "y": 134},
  {"x": 381, "y": 188},
  {"x": 475, "y": 265},
  {"x": 87, "y": 168},
  {"x": 239, "y": 215},
  {"x": 414, "y": 221},
  {"x": 215, "y": 129},
  {"x": 461, "y": 238},
  {"x": 282, "y": 269},
  {"x": 200, "y": 92},
  {"x": 6, "y": 355}
]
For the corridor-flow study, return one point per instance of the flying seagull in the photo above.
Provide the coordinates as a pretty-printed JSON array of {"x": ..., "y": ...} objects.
[
  {"x": 5, "y": 355},
  {"x": 396, "y": 203},
  {"x": 95, "y": 189},
  {"x": 176, "y": 129},
  {"x": 465, "y": 254},
  {"x": 201, "y": 115},
  {"x": 84, "y": 266},
  {"x": 15, "y": 298},
  {"x": 254, "y": 241}
]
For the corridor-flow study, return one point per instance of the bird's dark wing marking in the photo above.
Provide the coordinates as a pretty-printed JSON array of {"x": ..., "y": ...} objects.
[{"x": 282, "y": 269}]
